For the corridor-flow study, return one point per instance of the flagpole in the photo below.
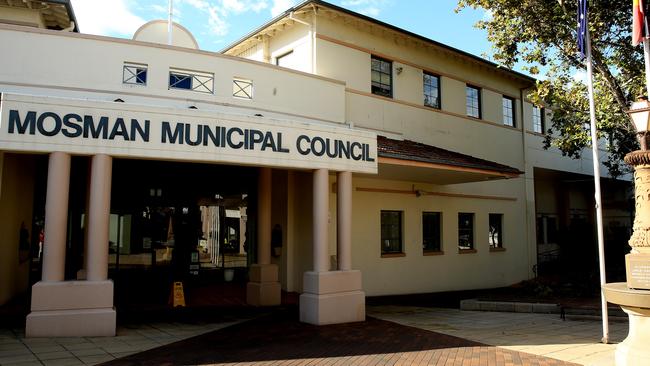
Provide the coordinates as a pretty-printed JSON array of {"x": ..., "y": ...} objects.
[
  {"x": 597, "y": 195},
  {"x": 169, "y": 23},
  {"x": 646, "y": 56}
]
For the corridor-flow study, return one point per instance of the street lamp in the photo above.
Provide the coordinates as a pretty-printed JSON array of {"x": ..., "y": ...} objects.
[
  {"x": 634, "y": 295},
  {"x": 640, "y": 114}
]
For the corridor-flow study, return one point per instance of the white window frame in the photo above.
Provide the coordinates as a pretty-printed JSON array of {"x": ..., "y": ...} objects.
[
  {"x": 130, "y": 73},
  {"x": 242, "y": 88},
  {"x": 202, "y": 82},
  {"x": 538, "y": 119},
  {"x": 509, "y": 119}
]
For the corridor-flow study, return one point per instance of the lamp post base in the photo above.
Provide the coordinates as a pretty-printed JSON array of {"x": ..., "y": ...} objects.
[{"x": 633, "y": 351}]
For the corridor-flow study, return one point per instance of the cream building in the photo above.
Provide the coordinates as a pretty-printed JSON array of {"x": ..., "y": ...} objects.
[{"x": 325, "y": 153}]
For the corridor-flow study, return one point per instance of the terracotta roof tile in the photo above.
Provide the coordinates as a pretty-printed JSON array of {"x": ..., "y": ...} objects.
[{"x": 416, "y": 151}]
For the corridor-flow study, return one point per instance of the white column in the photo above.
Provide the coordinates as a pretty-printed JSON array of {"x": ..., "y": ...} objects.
[
  {"x": 331, "y": 297},
  {"x": 56, "y": 217},
  {"x": 344, "y": 220},
  {"x": 98, "y": 218},
  {"x": 320, "y": 216},
  {"x": 74, "y": 308},
  {"x": 264, "y": 217}
]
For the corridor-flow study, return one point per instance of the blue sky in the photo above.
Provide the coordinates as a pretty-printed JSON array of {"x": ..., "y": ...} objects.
[{"x": 217, "y": 23}]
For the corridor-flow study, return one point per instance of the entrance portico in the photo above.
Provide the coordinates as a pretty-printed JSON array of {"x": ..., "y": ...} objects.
[{"x": 86, "y": 307}]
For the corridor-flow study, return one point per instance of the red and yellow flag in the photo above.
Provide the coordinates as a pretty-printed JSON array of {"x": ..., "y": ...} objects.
[{"x": 639, "y": 22}]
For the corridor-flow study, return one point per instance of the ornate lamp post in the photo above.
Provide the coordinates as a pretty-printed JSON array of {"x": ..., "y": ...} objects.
[{"x": 634, "y": 295}]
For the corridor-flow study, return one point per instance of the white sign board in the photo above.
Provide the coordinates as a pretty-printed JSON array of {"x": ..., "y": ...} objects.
[{"x": 45, "y": 124}]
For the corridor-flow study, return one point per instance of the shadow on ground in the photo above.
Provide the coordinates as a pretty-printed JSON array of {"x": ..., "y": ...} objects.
[{"x": 281, "y": 337}]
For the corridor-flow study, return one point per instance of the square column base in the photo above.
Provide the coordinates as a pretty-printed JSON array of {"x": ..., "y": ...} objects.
[
  {"x": 264, "y": 287},
  {"x": 71, "y": 309},
  {"x": 332, "y": 297},
  {"x": 71, "y": 323}
]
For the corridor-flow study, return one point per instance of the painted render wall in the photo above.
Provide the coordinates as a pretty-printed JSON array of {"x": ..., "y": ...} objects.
[
  {"x": 404, "y": 115},
  {"x": 75, "y": 75},
  {"x": 449, "y": 271},
  {"x": 16, "y": 202},
  {"x": 296, "y": 38}
]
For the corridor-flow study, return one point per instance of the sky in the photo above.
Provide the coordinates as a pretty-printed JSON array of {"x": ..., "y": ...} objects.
[{"x": 217, "y": 23}]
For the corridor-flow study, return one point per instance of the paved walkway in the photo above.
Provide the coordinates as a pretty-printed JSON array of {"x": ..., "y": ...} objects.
[
  {"x": 279, "y": 339},
  {"x": 15, "y": 349},
  {"x": 575, "y": 340},
  {"x": 413, "y": 336}
]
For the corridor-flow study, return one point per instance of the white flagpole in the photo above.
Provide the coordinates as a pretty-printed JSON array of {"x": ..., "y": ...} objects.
[
  {"x": 646, "y": 56},
  {"x": 597, "y": 195},
  {"x": 169, "y": 23}
]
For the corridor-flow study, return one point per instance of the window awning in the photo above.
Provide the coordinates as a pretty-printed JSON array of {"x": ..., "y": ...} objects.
[{"x": 415, "y": 161}]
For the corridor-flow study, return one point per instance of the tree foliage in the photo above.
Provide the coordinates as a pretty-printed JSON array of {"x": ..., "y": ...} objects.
[{"x": 542, "y": 34}]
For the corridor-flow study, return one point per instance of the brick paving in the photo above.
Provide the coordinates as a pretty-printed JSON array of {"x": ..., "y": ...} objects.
[{"x": 280, "y": 339}]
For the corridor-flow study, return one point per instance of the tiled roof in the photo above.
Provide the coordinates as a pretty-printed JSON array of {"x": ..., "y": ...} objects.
[{"x": 415, "y": 151}]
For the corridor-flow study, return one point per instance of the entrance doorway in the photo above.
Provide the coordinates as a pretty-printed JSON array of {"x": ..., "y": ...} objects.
[{"x": 169, "y": 222}]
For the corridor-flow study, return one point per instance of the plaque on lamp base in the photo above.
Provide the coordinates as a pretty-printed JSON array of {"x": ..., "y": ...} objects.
[{"x": 637, "y": 268}]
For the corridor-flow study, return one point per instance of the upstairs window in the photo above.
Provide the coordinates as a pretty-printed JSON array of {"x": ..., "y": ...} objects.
[
  {"x": 508, "y": 111},
  {"x": 135, "y": 74},
  {"x": 473, "y": 101},
  {"x": 538, "y": 120},
  {"x": 431, "y": 90},
  {"x": 382, "y": 77},
  {"x": 191, "y": 80},
  {"x": 286, "y": 60}
]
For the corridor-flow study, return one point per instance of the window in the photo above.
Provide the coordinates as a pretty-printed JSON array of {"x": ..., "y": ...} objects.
[
  {"x": 538, "y": 120},
  {"x": 473, "y": 101},
  {"x": 391, "y": 232},
  {"x": 242, "y": 88},
  {"x": 465, "y": 231},
  {"x": 382, "y": 77},
  {"x": 508, "y": 111},
  {"x": 431, "y": 231},
  {"x": 286, "y": 60},
  {"x": 431, "y": 90},
  {"x": 135, "y": 74},
  {"x": 496, "y": 230},
  {"x": 191, "y": 80}
]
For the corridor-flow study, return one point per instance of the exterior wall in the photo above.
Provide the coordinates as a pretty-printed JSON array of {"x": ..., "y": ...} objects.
[
  {"x": 297, "y": 38},
  {"x": 75, "y": 75},
  {"x": 418, "y": 273},
  {"x": 343, "y": 53},
  {"x": 404, "y": 115},
  {"x": 16, "y": 201},
  {"x": 356, "y": 72},
  {"x": 383, "y": 43}
]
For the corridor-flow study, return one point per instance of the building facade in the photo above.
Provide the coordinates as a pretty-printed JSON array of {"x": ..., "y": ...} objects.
[{"x": 325, "y": 153}]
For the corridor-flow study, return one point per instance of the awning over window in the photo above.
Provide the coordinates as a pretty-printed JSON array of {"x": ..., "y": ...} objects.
[{"x": 414, "y": 161}]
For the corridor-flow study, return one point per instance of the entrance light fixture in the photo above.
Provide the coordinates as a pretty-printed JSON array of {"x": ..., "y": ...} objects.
[{"x": 640, "y": 114}]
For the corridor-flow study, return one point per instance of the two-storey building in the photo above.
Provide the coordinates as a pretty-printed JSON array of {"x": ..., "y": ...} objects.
[{"x": 325, "y": 153}]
